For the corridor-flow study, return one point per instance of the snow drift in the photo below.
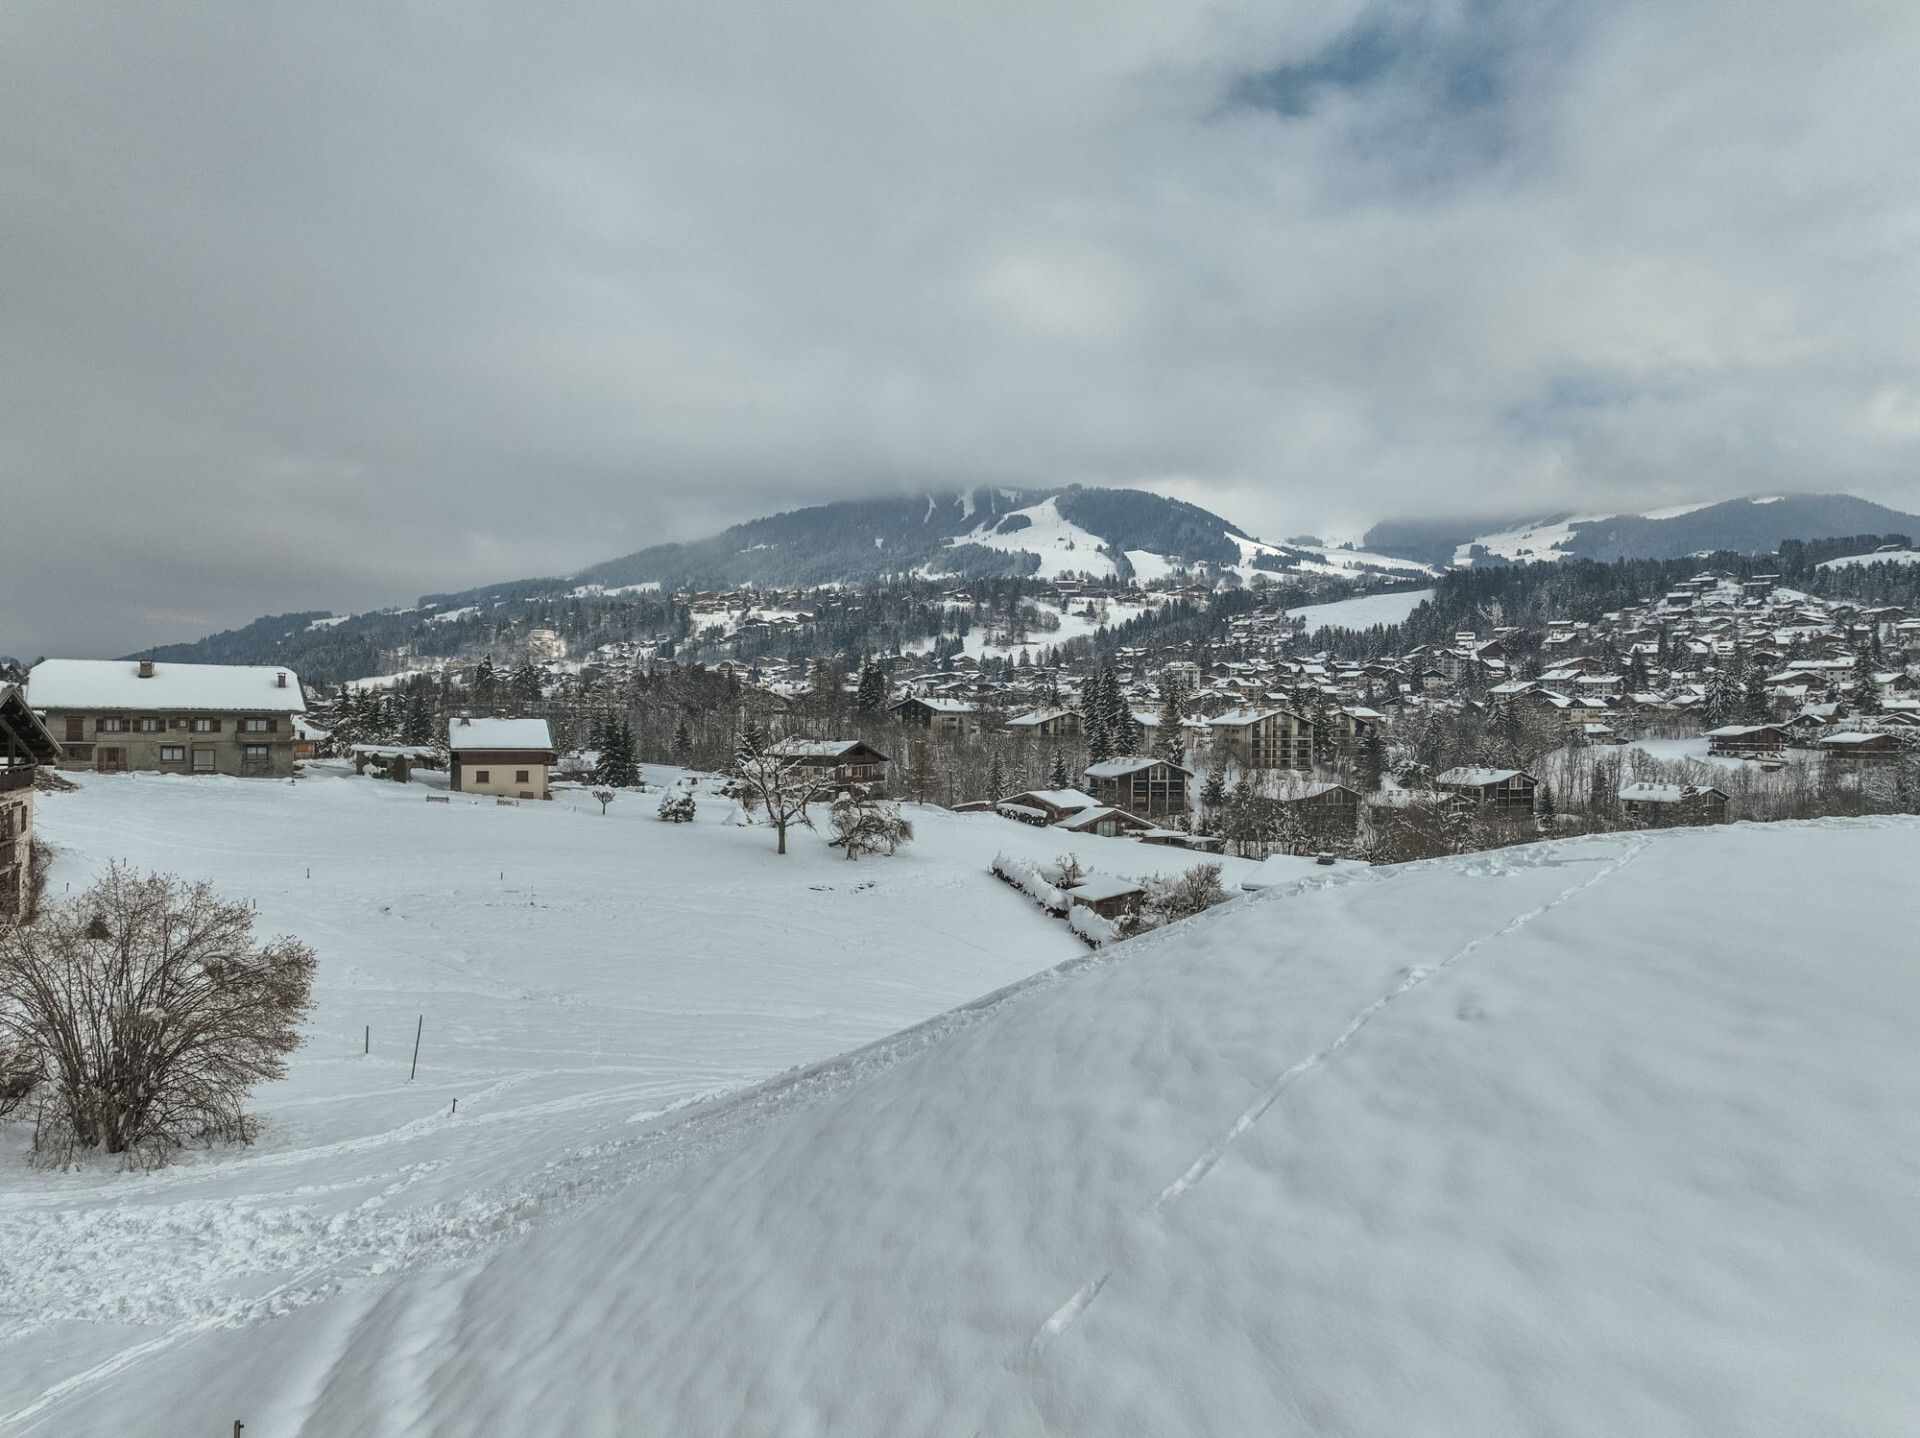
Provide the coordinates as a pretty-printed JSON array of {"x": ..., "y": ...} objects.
[{"x": 1610, "y": 1136}]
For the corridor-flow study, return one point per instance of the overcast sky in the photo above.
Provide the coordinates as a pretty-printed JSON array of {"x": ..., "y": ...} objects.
[{"x": 310, "y": 306}]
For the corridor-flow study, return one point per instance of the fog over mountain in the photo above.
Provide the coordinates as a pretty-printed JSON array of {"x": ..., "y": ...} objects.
[{"x": 318, "y": 307}]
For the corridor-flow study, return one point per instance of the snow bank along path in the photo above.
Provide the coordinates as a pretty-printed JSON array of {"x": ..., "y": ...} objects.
[
  {"x": 1603, "y": 1136},
  {"x": 622, "y": 969}
]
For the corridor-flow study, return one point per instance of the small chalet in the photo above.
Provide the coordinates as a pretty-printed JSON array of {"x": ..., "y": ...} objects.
[
  {"x": 1048, "y": 723},
  {"x": 1109, "y": 898},
  {"x": 1109, "y": 823},
  {"x": 25, "y": 744},
  {"x": 943, "y": 716},
  {"x": 1495, "y": 791},
  {"x": 840, "y": 764},
  {"x": 1320, "y": 810},
  {"x": 1045, "y": 806},
  {"x": 508, "y": 758},
  {"x": 1673, "y": 803},
  {"x": 1143, "y": 785},
  {"x": 1858, "y": 748},
  {"x": 1747, "y": 741}
]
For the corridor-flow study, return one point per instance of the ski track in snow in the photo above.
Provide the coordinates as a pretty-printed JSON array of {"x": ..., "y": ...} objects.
[{"x": 1075, "y": 1307}]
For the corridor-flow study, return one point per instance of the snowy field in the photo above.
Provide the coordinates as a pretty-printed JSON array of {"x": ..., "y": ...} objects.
[
  {"x": 1570, "y": 1139},
  {"x": 578, "y": 976},
  {"x": 1362, "y": 612}
]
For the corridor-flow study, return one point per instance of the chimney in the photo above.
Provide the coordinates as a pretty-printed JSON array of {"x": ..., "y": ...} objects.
[
  {"x": 464, "y": 721},
  {"x": 146, "y": 669},
  {"x": 280, "y": 679}
]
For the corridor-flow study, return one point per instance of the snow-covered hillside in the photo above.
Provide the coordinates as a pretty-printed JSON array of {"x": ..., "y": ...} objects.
[
  {"x": 1568, "y": 1139},
  {"x": 1362, "y": 612},
  {"x": 1885, "y": 556},
  {"x": 577, "y": 975},
  {"x": 1062, "y": 547}
]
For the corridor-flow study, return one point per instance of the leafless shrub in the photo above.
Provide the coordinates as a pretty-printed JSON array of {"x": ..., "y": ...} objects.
[
  {"x": 865, "y": 825},
  {"x": 142, "y": 1012}
]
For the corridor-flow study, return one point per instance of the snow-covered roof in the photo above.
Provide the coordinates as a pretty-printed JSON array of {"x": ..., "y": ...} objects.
[
  {"x": 1092, "y": 818},
  {"x": 814, "y": 748},
  {"x": 1097, "y": 888},
  {"x": 1665, "y": 793},
  {"x": 1479, "y": 778},
  {"x": 1114, "y": 768},
  {"x": 116, "y": 684},
  {"x": 942, "y": 706},
  {"x": 1243, "y": 716},
  {"x": 1061, "y": 798},
  {"x": 469, "y": 733}
]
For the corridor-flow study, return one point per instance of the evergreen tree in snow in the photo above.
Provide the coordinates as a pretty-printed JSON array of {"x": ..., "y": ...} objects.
[
  {"x": 1057, "y": 776},
  {"x": 1866, "y": 693},
  {"x": 1169, "y": 740},
  {"x": 870, "y": 699},
  {"x": 1370, "y": 762},
  {"x": 682, "y": 742},
  {"x": 1094, "y": 721},
  {"x": 486, "y": 685},
  {"x": 1123, "y": 730}
]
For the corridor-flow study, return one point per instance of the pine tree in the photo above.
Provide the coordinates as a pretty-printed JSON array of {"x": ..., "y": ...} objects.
[
  {"x": 870, "y": 699},
  {"x": 1169, "y": 743},
  {"x": 1866, "y": 693},
  {"x": 682, "y": 742},
  {"x": 1370, "y": 761},
  {"x": 618, "y": 768},
  {"x": 486, "y": 685},
  {"x": 417, "y": 720},
  {"x": 1123, "y": 730},
  {"x": 1057, "y": 776},
  {"x": 1094, "y": 720},
  {"x": 996, "y": 778},
  {"x": 1214, "y": 792},
  {"x": 527, "y": 683}
]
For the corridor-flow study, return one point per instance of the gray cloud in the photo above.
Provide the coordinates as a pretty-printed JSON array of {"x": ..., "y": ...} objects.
[{"x": 324, "y": 306}]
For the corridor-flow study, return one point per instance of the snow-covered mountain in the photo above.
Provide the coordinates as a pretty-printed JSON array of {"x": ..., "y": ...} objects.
[
  {"x": 1754, "y": 525},
  {"x": 1050, "y": 533}
]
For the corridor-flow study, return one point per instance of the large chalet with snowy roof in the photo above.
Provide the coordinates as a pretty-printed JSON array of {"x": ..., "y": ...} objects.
[
  {"x": 1141, "y": 785},
  {"x": 1498, "y": 792},
  {"x": 116, "y": 715}
]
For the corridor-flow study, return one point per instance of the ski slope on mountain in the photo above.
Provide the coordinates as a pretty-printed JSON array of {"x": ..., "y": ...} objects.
[
  {"x": 577, "y": 976},
  {"x": 1062, "y": 547},
  {"x": 1363, "y": 611},
  {"x": 1574, "y": 1139}
]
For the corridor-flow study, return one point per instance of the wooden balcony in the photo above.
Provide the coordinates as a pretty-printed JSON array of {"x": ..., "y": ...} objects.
[{"x": 16, "y": 776}]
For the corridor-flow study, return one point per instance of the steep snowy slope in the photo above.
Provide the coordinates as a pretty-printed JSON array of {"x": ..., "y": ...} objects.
[{"x": 1576, "y": 1139}]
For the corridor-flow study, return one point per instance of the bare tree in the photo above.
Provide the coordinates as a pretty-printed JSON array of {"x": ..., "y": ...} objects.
[
  {"x": 143, "y": 1011},
  {"x": 863, "y": 824},
  {"x": 780, "y": 788},
  {"x": 606, "y": 797}
]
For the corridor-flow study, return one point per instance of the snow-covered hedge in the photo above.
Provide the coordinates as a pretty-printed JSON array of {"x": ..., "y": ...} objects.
[
  {"x": 1091, "y": 926},
  {"x": 1032, "y": 881},
  {"x": 1036, "y": 881}
]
